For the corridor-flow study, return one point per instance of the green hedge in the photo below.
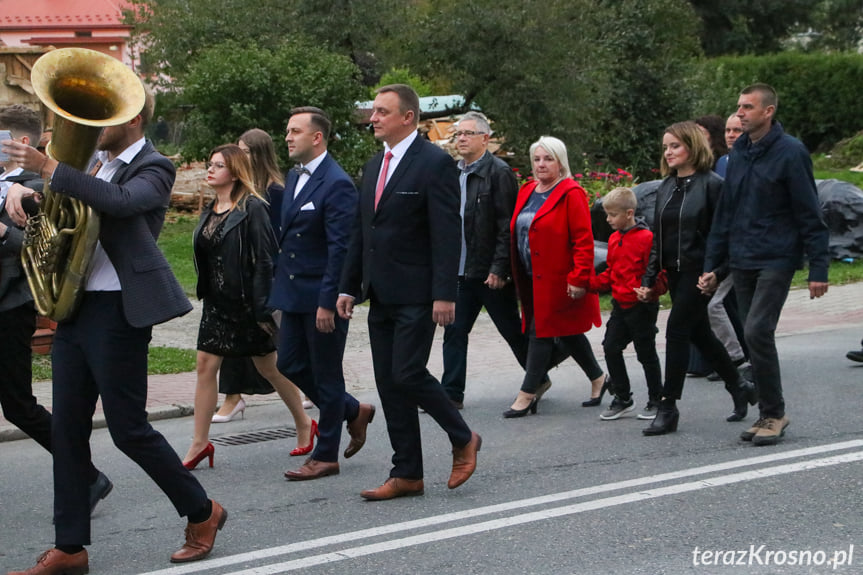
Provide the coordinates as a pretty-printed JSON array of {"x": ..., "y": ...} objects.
[{"x": 819, "y": 94}]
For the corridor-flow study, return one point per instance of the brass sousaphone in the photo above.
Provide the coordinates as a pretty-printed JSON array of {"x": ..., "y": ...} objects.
[{"x": 87, "y": 91}]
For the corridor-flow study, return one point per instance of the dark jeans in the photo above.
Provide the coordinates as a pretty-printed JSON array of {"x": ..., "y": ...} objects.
[
  {"x": 502, "y": 307},
  {"x": 636, "y": 324},
  {"x": 687, "y": 322},
  {"x": 98, "y": 354},
  {"x": 401, "y": 339},
  {"x": 761, "y": 295},
  {"x": 543, "y": 353}
]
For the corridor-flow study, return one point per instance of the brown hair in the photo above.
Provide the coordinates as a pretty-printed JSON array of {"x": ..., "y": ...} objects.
[
  {"x": 409, "y": 101},
  {"x": 262, "y": 155},
  {"x": 319, "y": 120},
  {"x": 237, "y": 163},
  {"x": 21, "y": 121},
  {"x": 692, "y": 137}
]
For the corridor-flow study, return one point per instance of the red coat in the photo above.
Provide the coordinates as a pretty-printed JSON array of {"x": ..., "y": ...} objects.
[{"x": 561, "y": 249}]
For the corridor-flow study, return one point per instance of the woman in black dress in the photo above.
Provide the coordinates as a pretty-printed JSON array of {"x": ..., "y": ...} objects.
[
  {"x": 238, "y": 376},
  {"x": 234, "y": 244}
]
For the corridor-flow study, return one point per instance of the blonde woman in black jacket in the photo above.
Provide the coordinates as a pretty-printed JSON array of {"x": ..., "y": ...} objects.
[
  {"x": 685, "y": 202},
  {"x": 234, "y": 244}
]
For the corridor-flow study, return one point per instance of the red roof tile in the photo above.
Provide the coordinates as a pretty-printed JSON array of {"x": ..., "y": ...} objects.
[{"x": 46, "y": 14}]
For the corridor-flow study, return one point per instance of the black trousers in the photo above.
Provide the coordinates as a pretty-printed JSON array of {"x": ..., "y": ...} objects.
[
  {"x": 99, "y": 354},
  {"x": 544, "y": 353},
  {"x": 313, "y": 361},
  {"x": 16, "y": 373},
  {"x": 401, "y": 339},
  {"x": 636, "y": 324},
  {"x": 687, "y": 322},
  {"x": 502, "y": 307}
]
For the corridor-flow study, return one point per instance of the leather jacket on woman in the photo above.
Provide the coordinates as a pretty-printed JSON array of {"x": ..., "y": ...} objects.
[
  {"x": 700, "y": 195},
  {"x": 247, "y": 250}
]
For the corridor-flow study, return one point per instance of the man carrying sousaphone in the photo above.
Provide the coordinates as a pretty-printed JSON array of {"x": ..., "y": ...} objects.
[{"x": 101, "y": 350}]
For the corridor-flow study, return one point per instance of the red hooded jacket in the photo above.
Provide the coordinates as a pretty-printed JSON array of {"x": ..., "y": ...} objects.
[{"x": 628, "y": 254}]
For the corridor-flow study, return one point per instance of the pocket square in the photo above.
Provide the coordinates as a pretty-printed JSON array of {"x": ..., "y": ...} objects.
[{"x": 307, "y": 207}]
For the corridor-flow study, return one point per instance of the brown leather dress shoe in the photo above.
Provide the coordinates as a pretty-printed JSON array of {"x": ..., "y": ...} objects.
[
  {"x": 313, "y": 469},
  {"x": 55, "y": 562},
  {"x": 394, "y": 487},
  {"x": 357, "y": 429},
  {"x": 201, "y": 536},
  {"x": 464, "y": 461}
]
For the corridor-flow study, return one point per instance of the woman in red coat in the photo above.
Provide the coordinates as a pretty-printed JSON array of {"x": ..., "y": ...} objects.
[{"x": 552, "y": 260}]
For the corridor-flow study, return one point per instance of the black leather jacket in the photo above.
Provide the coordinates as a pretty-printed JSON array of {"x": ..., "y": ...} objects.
[
  {"x": 247, "y": 252},
  {"x": 491, "y": 193},
  {"x": 14, "y": 289},
  {"x": 700, "y": 195}
]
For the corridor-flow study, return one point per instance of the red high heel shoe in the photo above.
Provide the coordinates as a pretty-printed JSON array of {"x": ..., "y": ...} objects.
[
  {"x": 308, "y": 448},
  {"x": 208, "y": 451}
]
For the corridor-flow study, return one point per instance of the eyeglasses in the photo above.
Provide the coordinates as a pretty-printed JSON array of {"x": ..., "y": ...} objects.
[
  {"x": 461, "y": 133},
  {"x": 215, "y": 165}
]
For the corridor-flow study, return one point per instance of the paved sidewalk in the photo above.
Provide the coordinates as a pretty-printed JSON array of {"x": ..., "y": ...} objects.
[{"x": 172, "y": 395}]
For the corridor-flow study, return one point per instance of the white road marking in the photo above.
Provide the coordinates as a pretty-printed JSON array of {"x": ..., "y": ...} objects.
[{"x": 447, "y": 518}]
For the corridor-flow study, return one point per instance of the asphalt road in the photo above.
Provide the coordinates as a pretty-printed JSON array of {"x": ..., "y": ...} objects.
[{"x": 557, "y": 493}]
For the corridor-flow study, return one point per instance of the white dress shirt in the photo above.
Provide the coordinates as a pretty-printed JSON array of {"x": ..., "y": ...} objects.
[{"x": 103, "y": 276}]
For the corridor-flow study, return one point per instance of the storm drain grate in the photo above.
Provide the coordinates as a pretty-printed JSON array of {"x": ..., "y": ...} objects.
[{"x": 254, "y": 436}]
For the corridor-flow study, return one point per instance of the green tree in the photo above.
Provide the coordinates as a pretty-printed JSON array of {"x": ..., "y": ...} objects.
[
  {"x": 747, "y": 27},
  {"x": 404, "y": 76},
  {"x": 604, "y": 76},
  {"x": 234, "y": 87}
]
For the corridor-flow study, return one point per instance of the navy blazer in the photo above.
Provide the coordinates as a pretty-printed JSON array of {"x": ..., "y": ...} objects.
[
  {"x": 407, "y": 251},
  {"x": 313, "y": 239},
  {"x": 132, "y": 209}
]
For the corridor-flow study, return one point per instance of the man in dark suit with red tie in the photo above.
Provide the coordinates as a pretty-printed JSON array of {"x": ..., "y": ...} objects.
[
  {"x": 316, "y": 221},
  {"x": 403, "y": 257}
]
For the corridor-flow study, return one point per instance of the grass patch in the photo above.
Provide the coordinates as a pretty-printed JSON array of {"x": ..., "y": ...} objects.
[
  {"x": 175, "y": 241},
  {"x": 162, "y": 360},
  {"x": 855, "y": 178}
]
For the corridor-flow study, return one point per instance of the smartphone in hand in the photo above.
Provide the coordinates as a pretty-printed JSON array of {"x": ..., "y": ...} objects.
[{"x": 4, "y": 135}]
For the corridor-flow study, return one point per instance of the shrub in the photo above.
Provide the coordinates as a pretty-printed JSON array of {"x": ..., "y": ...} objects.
[{"x": 819, "y": 99}]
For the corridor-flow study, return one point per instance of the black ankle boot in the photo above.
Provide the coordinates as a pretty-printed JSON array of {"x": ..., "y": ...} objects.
[
  {"x": 740, "y": 398},
  {"x": 665, "y": 420}
]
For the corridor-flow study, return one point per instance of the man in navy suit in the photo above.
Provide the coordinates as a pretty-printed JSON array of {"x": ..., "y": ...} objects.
[
  {"x": 317, "y": 215},
  {"x": 403, "y": 257},
  {"x": 101, "y": 351}
]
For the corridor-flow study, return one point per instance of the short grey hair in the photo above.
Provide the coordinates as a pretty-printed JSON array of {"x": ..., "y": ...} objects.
[
  {"x": 480, "y": 119},
  {"x": 557, "y": 149}
]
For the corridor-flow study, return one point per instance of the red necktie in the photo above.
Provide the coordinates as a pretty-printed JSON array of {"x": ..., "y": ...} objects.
[{"x": 382, "y": 179}]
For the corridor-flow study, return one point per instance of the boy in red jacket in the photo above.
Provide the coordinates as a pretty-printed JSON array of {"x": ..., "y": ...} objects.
[{"x": 631, "y": 320}]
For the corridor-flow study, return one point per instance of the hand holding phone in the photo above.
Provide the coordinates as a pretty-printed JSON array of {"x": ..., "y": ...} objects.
[{"x": 4, "y": 135}]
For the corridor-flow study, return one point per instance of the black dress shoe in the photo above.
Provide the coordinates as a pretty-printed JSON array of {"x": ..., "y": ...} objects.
[
  {"x": 664, "y": 422},
  {"x": 99, "y": 490},
  {"x": 513, "y": 413},
  {"x": 855, "y": 355},
  {"x": 594, "y": 401}
]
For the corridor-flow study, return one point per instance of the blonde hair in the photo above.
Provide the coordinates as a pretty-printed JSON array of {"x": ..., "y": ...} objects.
[
  {"x": 557, "y": 149},
  {"x": 262, "y": 155},
  {"x": 620, "y": 198}
]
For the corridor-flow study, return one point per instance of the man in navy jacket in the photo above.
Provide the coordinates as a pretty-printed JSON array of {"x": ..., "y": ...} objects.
[
  {"x": 317, "y": 217},
  {"x": 767, "y": 219}
]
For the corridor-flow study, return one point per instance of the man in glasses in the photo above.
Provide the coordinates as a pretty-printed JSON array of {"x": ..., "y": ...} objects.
[{"x": 488, "y": 191}]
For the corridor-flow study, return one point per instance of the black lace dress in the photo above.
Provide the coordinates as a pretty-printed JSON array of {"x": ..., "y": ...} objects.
[{"x": 228, "y": 326}]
